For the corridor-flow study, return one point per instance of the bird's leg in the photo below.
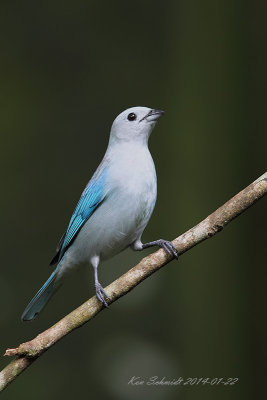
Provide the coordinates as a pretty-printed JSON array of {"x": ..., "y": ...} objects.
[
  {"x": 164, "y": 244},
  {"x": 99, "y": 291}
]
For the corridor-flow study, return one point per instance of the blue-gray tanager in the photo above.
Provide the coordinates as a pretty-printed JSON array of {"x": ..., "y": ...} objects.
[{"x": 114, "y": 208}]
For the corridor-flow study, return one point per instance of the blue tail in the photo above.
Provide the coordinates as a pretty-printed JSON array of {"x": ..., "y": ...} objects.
[{"x": 41, "y": 298}]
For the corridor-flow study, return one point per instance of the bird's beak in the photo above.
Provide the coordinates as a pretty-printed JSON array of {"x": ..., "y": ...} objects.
[{"x": 153, "y": 115}]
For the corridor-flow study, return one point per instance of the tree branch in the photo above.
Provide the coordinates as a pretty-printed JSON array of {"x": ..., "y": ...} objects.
[{"x": 28, "y": 352}]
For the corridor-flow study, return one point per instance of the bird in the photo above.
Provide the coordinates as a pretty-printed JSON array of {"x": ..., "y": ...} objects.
[{"x": 114, "y": 207}]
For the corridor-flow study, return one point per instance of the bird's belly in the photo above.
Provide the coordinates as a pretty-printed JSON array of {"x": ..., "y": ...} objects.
[{"x": 117, "y": 223}]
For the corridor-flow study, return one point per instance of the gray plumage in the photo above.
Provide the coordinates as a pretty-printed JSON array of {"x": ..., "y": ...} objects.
[{"x": 114, "y": 208}]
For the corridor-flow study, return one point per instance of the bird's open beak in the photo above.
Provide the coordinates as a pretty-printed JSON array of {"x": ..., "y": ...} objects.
[{"x": 153, "y": 115}]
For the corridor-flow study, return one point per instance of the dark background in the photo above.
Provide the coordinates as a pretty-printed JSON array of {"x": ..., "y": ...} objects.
[{"x": 67, "y": 69}]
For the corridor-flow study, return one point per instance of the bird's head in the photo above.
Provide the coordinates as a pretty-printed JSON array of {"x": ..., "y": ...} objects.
[{"x": 134, "y": 124}]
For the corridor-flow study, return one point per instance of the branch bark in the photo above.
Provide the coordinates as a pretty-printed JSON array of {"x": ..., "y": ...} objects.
[{"x": 27, "y": 353}]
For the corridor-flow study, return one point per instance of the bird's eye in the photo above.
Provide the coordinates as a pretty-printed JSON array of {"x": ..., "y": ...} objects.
[{"x": 131, "y": 117}]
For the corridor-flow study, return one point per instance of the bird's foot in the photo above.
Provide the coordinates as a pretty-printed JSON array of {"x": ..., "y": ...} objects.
[
  {"x": 164, "y": 244},
  {"x": 101, "y": 294}
]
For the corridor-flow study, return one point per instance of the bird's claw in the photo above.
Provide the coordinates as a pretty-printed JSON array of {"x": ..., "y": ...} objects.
[
  {"x": 101, "y": 294},
  {"x": 168, "y": 247}
]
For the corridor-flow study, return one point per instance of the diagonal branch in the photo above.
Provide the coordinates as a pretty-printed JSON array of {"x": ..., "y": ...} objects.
[{"x": 28, "y": 352}]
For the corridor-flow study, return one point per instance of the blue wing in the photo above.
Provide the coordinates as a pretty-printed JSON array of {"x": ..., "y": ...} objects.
[{"x": 92, "y": 196}]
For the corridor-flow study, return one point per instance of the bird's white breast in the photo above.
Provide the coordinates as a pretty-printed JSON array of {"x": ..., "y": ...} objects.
[
  {"x": 132, "y": 170},
  {"x": 123, "y": 215}
]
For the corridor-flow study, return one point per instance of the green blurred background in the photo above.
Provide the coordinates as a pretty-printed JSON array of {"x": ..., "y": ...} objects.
[{"x": 67, "y": 69}]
